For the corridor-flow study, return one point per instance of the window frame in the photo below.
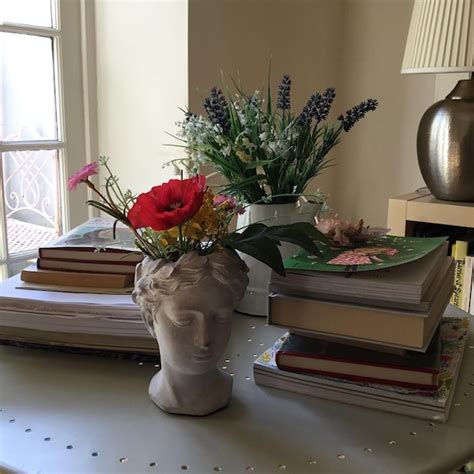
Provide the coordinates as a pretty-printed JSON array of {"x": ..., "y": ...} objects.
[{"x": 72, "y": 35}]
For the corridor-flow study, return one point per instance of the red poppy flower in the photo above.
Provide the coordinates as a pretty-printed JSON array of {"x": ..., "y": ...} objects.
[{"x": 168, "y": 205}]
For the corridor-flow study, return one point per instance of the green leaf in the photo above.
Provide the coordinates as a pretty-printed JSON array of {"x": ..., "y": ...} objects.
[
  {"x": 252, "y": 232},
  {"x": 304, "y": 229},
  {"x": 307, "y": 229},
  {"x": 262, "y": 249},
  {"x": 114, "y": 229},
  {"x": 106, "y": 209},
  {"x": 257, "y": 163},
  {"x": 302, "y": 234},
  {"x": 297, "y": 234},
  {"x": 269, "y": 91},
  {"x": 242, "y": 184},
  {"x": 261, "y": 242},
  {"x": 108, "y": 185}
]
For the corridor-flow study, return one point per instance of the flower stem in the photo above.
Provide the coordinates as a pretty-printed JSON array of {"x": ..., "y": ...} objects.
[
  {"x": 181, "y": 240},
  {"x": 91, "y": 185}
]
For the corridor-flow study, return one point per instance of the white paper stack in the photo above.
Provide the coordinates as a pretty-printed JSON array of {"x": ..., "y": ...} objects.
[{"x": 98, "y": 321}]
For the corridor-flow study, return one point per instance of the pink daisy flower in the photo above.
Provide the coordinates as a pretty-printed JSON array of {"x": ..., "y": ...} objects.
[{"x": 79, "y": 176}]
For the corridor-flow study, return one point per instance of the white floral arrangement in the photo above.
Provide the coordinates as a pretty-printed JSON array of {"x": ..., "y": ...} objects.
[{"x": 267, "y": 154}]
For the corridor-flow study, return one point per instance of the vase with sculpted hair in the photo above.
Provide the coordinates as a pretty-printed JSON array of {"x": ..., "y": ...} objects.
[{"x": 187, "y": 306}]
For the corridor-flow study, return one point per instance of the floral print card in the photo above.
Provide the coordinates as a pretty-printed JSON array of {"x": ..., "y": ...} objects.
[{"x": 376, "y": 254}]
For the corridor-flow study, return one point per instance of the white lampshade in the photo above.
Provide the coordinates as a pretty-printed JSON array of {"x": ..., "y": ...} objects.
[{"x": 440, "y": 38}]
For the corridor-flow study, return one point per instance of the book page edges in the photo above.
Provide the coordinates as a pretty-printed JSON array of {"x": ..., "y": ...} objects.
[{"x": 405, "y": 329}]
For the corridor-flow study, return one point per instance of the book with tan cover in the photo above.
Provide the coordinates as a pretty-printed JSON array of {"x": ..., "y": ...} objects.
[
  {"x": 32, "y": 274},
  {"x": 406, "y": 329}
]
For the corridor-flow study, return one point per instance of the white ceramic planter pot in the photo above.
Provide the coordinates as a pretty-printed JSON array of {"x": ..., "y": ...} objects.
[
  {"x": 187, "y": 306},
  {"x": 255, "y": 301}
]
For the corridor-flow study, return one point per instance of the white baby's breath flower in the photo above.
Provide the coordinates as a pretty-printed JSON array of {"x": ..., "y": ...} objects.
[
  {"x": 220, "y": 139},
  {"x": 227, "y": 150},
  {"x": 247, "y": 143},
  {"x": 272, "y": 146},
  {"x": 242, "y": 118}
]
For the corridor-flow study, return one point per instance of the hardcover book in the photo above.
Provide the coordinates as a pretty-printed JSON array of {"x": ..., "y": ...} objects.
[
  {"x": 427, "y": 404},
  {"x": 94, "y": 241},
  {"x": 59, "y": 278},
  {"x": 400, "y": 328},
  {"x": 309, "y": 355},
  {"x": 120, "y": 268}
]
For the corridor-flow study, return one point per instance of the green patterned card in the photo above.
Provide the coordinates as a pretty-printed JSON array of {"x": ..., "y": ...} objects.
[{"x": 376, "y": 254}]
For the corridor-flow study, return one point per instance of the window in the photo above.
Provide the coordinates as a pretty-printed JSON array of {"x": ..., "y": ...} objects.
[{"x": 42, "y": 125}]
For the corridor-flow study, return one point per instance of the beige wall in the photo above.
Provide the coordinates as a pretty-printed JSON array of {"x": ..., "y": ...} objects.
[
  {"x": 142, "y": 80},
  {"x": 355, "y": 45},
  {"x": 377, "y": 159},
  {"x": 238, "y": 37},
  {"x": 445, "y": 83}
]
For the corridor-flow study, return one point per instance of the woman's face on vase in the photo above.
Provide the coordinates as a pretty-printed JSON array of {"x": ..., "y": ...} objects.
[{"x": 193, "y": 326}]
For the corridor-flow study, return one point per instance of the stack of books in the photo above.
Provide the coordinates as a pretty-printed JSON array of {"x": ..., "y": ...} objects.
[
  {"x": 78, "y": 295},
  {"x": 384, "y": 339},
  {"x": 89, "y": 258},
  {"x": 104, "y": 322}
]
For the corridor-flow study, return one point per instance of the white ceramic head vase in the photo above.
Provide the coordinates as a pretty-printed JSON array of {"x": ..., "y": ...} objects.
[{"x": 187, "y": 306}]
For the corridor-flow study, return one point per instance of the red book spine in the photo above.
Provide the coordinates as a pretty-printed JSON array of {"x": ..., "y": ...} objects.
[
  {"x": 358, "y": 362},
  {"x": 357, "y": 378},
  {"x": 95, "y": 262}
]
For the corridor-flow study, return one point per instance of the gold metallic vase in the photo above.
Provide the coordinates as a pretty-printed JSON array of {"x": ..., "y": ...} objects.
[{"x": 445, "y": 145}]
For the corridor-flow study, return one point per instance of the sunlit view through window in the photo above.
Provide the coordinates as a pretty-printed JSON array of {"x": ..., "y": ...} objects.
[
  {"x": 28, "y": 12},
  {"x": 30, "y": 127}
]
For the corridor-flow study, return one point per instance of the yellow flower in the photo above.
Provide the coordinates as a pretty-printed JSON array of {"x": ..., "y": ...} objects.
[
  {"x": 207, "y": 217},
  {"x": 166, "y": 239},
  {"x": 245, "y": 157},
  {"x": 209, "y": 222},
  {"x": 191, "y": 230}
]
